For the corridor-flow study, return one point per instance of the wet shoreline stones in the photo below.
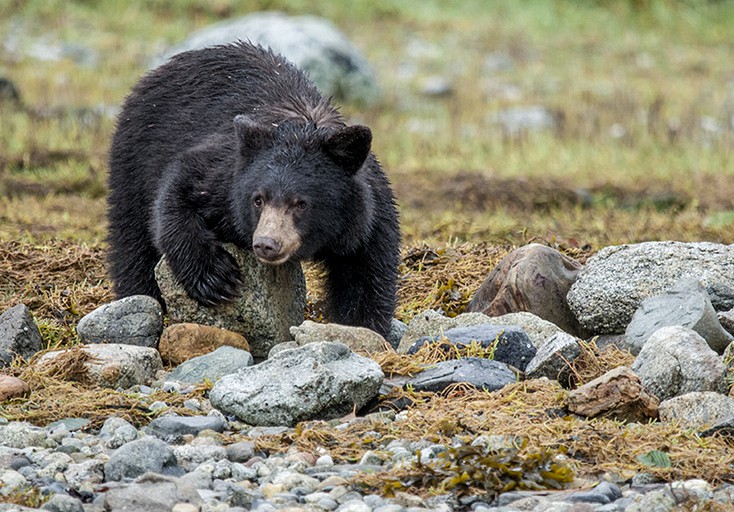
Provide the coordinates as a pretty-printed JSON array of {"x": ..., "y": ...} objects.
[{"x": 208, "y": 462}]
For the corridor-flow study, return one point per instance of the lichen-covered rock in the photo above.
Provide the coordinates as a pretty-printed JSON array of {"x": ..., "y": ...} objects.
[
  {"x": 697, "y": 409},
  {"x": 319, "y": 380},
  {"x": 273, "y": 299},
  {"x": 676, "y": 360},
  {"x": 614, "y": 282}
]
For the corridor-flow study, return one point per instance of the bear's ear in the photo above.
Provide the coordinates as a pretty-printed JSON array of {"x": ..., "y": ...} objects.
[
  {"x": 349, "y": 147},
  {"x": 251, "y": 135}
]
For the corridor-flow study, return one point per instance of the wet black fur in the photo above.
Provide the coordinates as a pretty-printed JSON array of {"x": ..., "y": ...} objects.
[{"x": 184, "y": 175}]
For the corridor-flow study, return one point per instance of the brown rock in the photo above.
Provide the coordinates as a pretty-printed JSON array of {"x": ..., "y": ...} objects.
[
  {"x": 12, "y": 387},
  {"x": 533, "y": 278},
  {"x": 181, "y": 342},
  {"x": 618, "y": 394}
]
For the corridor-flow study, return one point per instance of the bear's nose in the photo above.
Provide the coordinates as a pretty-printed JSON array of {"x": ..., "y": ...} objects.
[{"x": 266, "y": 248}]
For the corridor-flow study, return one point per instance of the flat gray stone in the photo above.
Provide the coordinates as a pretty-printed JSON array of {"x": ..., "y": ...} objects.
[
  {"x": 273, "y": 299},
  {"x": 213, "y": 366},
  {"x": 138, "y": 457},
  {"x": 511, "y": 345},
  {"x": 482, "y": 373},
  {"x": 675, "y": 361},
  {"x": 313, "y": 44},
  {"x": 19, "y": 335},
  {"x": 686, "y": 303},
  {"x": 135, "y": 320},
  {"x": 320, "y": 380},
  {"x": 697, "y": 409},
  {"x": 616, "y": 280},
  {"x": 553, "y": 359}
]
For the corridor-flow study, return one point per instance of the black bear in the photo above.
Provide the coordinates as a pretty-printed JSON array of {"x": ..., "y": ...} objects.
[{"x": 234, "y": 144}]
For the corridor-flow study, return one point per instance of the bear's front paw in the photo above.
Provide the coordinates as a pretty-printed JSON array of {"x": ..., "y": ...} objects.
[{"x": 218, "y": 281}]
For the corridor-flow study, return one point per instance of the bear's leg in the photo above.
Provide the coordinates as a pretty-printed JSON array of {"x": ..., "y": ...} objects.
[
  {"x": 361, "y": 289},
  {"x": 132, "y": 255},
  {"x": 208, "y": 273}
]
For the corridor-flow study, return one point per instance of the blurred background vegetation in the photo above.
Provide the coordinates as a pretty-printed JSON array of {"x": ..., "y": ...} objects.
[{"x": 636, "y": 142}]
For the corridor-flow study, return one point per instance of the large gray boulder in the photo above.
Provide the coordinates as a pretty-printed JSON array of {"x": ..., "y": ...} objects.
[
  {"x": 675, "y": 361},
  {"x": 615, "y": 281},
  {"x": 321, "y": 380},
  {"x": 273, "y": 299},
  {"x": 138, "y": 457},
  {"x": 313, "y": 44}
]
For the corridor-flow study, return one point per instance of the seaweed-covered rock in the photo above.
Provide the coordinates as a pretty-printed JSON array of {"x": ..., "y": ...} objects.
[
  {"x": 533, "y": 278},
  {"x": 509, "y": 343}
]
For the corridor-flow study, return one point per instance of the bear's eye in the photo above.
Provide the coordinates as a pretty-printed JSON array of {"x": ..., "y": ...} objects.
[
  {"x": 301, "y": 205},
  {"x": 258, "y": 202}
]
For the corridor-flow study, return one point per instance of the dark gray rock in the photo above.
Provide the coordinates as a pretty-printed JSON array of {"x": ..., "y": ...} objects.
[
  {"x": 313, "y": 44},
  {"x": 241, "y": 451},
  {"x": 213, "y": 366},
  {"x": 697, "y": 409},
  {"x": 617, "y": 279},
  {"x": 482, "y": 373},
  {"x": 19, "y": 335},
  {"x": 172, "y": 428},
  {"x": 138, "y": 457},
  {"x": 686, "y": 303},
  {"x": 319, "y": 380},
  {"x": 433, "y": 323},
  {"x": 512, "y": 345},
  {"x": 553, "y": 359},
  {"x": 274, "y": 301},
  {"x": 675, "y": 361},
  {"x": 135, "y": 320}
]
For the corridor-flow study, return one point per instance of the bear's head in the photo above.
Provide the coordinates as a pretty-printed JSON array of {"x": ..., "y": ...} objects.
[{"x": 298, "y": 190}]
